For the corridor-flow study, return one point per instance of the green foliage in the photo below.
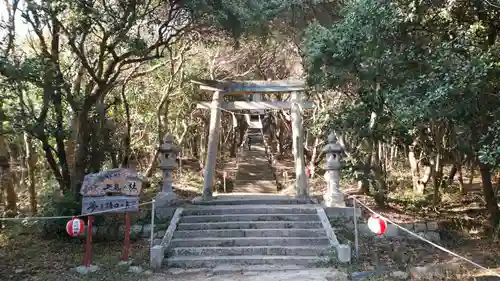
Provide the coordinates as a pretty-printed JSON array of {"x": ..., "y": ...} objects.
[
  {"x": 403, "y": 72},
  {"x": 219, "y": 185},
  {"x": 490, "y": 149},
  {"x": 237, "y": 17},
  {"x": 138, "y": 46},
  {"x": 417, "y": 74},
  {"x": 53, "y": 204}
]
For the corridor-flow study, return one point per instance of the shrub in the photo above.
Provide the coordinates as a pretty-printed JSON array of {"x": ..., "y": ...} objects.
[{"x": 53, "y": 204}]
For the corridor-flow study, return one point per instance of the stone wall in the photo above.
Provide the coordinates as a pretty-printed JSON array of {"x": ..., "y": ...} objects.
[
  {"x": 111, "y": 227},
  {"x": 427, "y": 230},
  {"x": 137, "y": 231},
  {"x": 341, "y": 219}
]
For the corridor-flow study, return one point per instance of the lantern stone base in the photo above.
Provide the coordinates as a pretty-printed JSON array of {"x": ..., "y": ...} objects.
[
  {"x": 165, "y": 198},
  {"x": 336, "y": 199}
]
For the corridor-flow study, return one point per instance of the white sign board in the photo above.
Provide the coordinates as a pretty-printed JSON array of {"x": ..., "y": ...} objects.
[{"x": 114, "y": 204}]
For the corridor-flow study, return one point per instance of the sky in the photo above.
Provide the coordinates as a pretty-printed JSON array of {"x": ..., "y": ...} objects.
[{"x": 21, "y": 27}]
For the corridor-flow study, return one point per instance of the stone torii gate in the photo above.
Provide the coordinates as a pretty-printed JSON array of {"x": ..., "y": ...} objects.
[{"x": 221, "y": 88}]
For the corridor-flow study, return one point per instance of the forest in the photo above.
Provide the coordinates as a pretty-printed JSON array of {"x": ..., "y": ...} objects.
[{"x": 410, "y": 88}]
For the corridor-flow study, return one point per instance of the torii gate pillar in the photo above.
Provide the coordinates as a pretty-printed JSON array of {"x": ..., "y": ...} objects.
[
  {"x": 301, "y": 187},
  {"x": 213, "y": 140}
]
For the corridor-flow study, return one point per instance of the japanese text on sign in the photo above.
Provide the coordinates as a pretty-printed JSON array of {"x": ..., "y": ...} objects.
[
  {"x": 118, "y": 181},
  {"x": 117, "y": 204}
]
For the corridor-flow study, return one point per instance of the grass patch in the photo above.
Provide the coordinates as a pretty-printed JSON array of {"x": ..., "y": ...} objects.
[
  {"x": 26, "y": 256},
  {"x": 409, "y": 200}
]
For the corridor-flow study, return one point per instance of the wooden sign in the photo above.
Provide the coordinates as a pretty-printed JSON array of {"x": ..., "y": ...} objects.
[
  {"x": 114, "y": 204},
  {"x": 115, "y": 181},
  {"x": 111, "y": 191}
]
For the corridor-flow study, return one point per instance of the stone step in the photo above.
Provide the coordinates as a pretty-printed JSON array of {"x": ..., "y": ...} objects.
[
  {"x": 242, "y": 251},
  {"x": 252, "y": 168},
  {"x": 251, "y": 164},
  {"x": 267, "y": 268},
  {"x": 254, "y": 175},
  {"x": 249, "y": 224},
  {"x": 250, "y": 209},
  {"x": 253, "y": 188},
  {"x": 252, "y": 199},
  {"x": 255, "y": 180},
  {"x": 249, "y": 241},
  {"x": 210, "y": 262},
  {"x": 249, "y": 217},
  {"x": 250, "y": 233}
]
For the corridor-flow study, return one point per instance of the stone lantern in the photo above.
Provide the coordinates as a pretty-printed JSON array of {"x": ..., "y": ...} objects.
[
  {"x": 168, "y": 155},
  {"x": 333, "y": 150}
]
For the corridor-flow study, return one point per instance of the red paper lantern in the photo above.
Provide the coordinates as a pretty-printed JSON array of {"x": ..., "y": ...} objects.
[
  {"x": 377, "y": 225},
  {"x": 75, "y": 227}
]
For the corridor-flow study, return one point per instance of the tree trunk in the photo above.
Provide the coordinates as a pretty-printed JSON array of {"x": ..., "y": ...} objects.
[
  {"x": 472, "y": 173},
  {"x": 31, "y": 162},
  {"x": 204, "y": 145},
  {"x": 314, "y": 156},
  {"x": 367, "y": 151},
  {"x": 234, "y": 143},
  {"x": 377, "y": 175},
  {"x": 6, "y": 182},
  {"x": 392, "y": 153},
  {"x": 80, "y": 162},
  {"x": 451, "y": 174},
  {"x": 196, "y": 143},
  {"x": 460, "y": 179},
  {"x": 126, "y": 139},
  {"x": 242, "y": 130},
  {"x": 281, "y": 138},
  {"x": 489, "y": 195},
  {"x": 363, "y": 177},
  {"x": 56, "y": 94},
  {"x": 437, "y": 178},
  {"x": 71, "y": 142},
  {"x": 418, "y": 187},
  {"x": 152, "y": 163}
]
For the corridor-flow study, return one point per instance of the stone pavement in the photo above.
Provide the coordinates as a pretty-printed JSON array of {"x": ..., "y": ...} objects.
[
  {"x": 254, "y": 174},
  {"x": 267, "y": 273}
]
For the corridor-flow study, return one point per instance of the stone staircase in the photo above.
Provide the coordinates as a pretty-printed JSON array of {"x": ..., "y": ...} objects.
[{"x": 242, "y": 230}]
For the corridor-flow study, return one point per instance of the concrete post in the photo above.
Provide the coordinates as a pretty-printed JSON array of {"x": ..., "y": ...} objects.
[
  {"x": 156, "y": 255},
  {"x": 298, "y": 146},
  {"x": 333, "y": 150},
  {"x": 213, "y": 139},
  {"x": 168, "y": 153},
  {"x": 344, "y": 253}
]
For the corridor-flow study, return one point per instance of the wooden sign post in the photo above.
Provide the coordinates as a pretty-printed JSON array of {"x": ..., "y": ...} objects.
[{"x": 110, "y": 191}]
